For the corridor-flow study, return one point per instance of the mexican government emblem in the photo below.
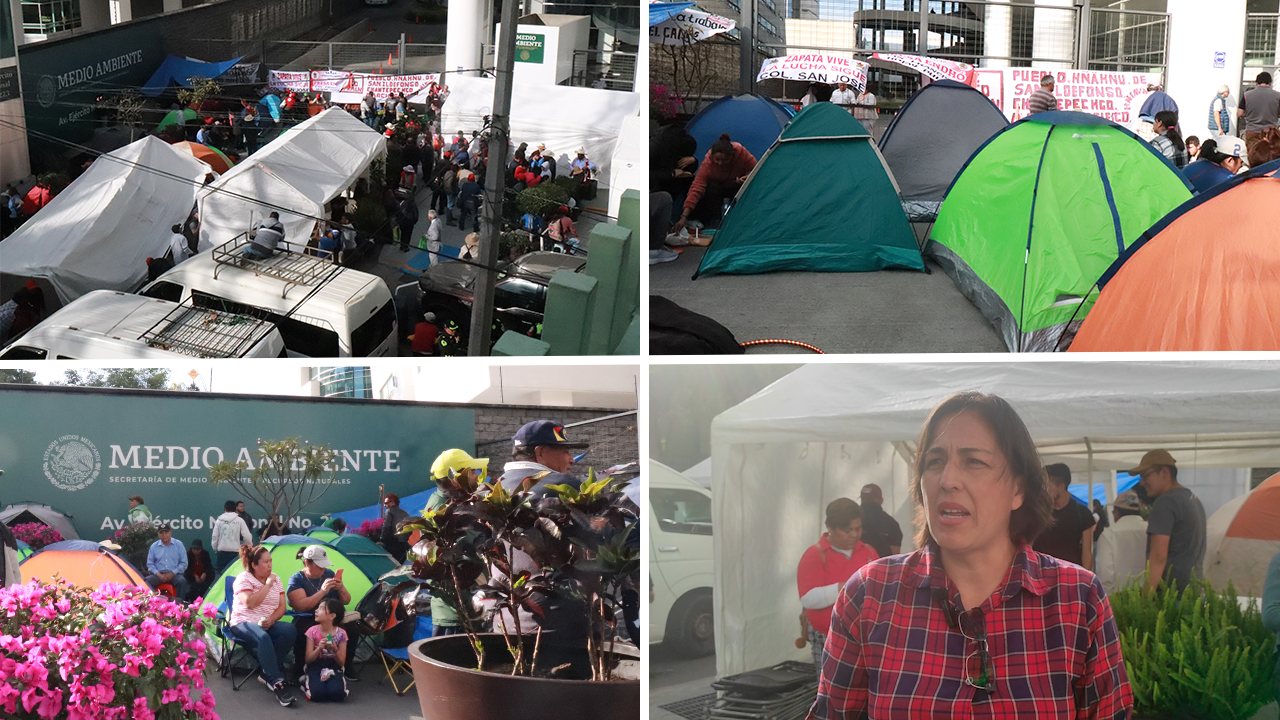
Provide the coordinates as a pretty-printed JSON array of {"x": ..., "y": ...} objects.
[
  {"x": 72, "y": 462},
  {"x": 46, "y": 91}
]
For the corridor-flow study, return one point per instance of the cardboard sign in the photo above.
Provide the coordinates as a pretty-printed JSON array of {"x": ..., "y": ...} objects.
[
  {"x": 819, "y": 68},
  {"x": 350, "y": 87},
  {"x": 688, "y": 27},
  {"x": 936, "y": 68}
]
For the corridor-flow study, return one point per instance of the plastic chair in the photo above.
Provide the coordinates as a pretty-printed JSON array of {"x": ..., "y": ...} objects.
[
  {"x": 167, "y": 589},
  {"x": 231, "y": 643},
  {"x": 400, "y": 657}
]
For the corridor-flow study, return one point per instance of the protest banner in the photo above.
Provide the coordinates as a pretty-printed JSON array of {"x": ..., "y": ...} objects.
[
  {"x": 935, "y": 68},
  {"x": 819, "y": 68},
  {"x": 688, "y": 27},
  {"x": 349, "y": 87},
  {"x": 1115, "y": 96}
]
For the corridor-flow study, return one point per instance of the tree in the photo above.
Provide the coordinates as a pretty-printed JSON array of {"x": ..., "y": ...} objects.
[
  {"x": 291, "y": 474},
  {"x": 20, "y": 377},
  {"x": 129, "y": 378},
  {"x": 201, "y": 88},
  {"x": 128, "y": 106}
]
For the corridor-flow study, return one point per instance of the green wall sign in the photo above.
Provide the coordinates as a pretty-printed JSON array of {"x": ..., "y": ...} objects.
[
  {"x": 85, "y": 452},
  {"x": 529, "y": 47}
]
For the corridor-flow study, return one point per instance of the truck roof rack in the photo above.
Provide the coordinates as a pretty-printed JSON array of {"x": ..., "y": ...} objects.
[
  {"x": 294, "y": 265},
  {"x": 206, "y": 333}
]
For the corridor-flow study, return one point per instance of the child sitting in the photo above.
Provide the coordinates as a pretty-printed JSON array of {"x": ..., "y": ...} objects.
[{"x": 322, "y": 678}]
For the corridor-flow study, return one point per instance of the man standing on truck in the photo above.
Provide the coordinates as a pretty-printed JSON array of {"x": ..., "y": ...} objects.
[{"x": 265, "y": 239}]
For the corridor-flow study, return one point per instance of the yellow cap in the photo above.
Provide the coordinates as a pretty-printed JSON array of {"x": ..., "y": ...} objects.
[{"x": 457, "y": 461}]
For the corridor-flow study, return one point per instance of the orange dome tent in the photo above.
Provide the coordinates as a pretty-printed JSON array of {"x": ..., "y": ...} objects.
[
  {"x": 82, "y": 568},
  {"x": 1205, "y": 278},
  {"x": 1243, "y": 536},
  {"x": 217, "y": 159}
]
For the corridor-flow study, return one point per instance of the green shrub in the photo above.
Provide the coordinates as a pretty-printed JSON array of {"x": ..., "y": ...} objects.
[
  {"x": 1194, "y": 655},
  {"x": 135, "y": 542},
  {"x": 542, "y": 198},
  {"x": 514, "y": 243},
  {"x": 369, "y": 214}
]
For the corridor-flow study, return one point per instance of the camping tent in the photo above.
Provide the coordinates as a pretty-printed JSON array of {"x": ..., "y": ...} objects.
[
  {"x": 821, "y": 199},
  {"x": 216, "y": 159},
  {"x": 567, "y": 117},
  {"x": 938, "y": 129},
  {"x": 1243, "y": 536},
  {"x": 20, "y": 513},
  {"x": 301, "y": 171},
  {"x": 285, "y": 562},
  {"x": 82, "y": 568},
  {"x": 824, "y": 431},
  {"x": 1039, "y": 213},
  {"x": 98, "y": 233},
  {"x": 24, "y": 551},
  {"x": 367, "y": 555},
  {"x": 1206, "y": 277},
  {"x": 323, "y": 534},
  {"x": 753, "y": 121}
]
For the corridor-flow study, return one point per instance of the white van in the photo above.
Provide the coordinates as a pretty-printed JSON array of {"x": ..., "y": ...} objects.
[
  {"x": 321, "y": 309},
  {"x": 110, "y": 325},
  {"x": 682, "y": 562}
]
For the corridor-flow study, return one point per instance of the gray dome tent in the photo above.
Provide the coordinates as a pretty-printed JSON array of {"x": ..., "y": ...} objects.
[
  {"x": 20, "y": 513},
  {"x": 934, "y": 134}
]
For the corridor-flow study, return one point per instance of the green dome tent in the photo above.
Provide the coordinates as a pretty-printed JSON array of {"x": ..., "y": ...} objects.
[
  {"x": 1041, "y": 211},
  {"x": 323, "y": 534},
  {"x": 821, "y": 199},
  {"x": 366, "y": 554}
]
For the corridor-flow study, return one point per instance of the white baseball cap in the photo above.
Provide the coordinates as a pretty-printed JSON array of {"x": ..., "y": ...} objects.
[
  {"x": 317, "y": 555},
  {"x": 1232, "y": 146}
]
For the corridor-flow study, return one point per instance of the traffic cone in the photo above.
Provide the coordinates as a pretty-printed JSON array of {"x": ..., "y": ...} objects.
[{"x": 389, "y": 60}]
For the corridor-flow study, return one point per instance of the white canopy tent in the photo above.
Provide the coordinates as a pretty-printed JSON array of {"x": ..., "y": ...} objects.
[
  {"x": 301, "y": 170},
  {"x": 563, "y": 117},
  {"x": 98, "y": 233},
  {"x": 629, "y": 167},
  {"x": 826, "y": 430}
]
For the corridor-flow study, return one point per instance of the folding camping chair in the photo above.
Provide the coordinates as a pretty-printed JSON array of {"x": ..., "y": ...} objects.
[
  {"x": 400, "y": 656},
  {"x": 230, "y": 643}
]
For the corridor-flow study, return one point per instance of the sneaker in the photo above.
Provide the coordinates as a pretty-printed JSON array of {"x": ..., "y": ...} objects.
[
  {"x": 283, "y": 696},
  {"x": 662, "y": 255},
  {"x": 350, "y": 675}
]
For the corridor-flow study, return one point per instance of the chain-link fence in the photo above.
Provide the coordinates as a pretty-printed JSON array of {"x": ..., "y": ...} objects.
[
  {"x": 1128, "y": 41},
  {"x": 1261, "y": 47},
  {"x": 605, "y": 70}
]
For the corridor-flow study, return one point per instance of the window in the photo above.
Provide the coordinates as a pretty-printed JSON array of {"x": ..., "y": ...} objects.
[
  {"x": 768, "y": 26},
  {"x": 687, "y": 512},
  {"x": 165, "y": 290},
  {"x": 769, "y": 4},
  {"x": 351, "y": 382},
  {"x": 300, "y": 337},
  {"x": 46, "y": 18},
  {"x": 373, "y": 332},
  {"x": 23, "y": 352},
  {"x": 522, "y": 294}
]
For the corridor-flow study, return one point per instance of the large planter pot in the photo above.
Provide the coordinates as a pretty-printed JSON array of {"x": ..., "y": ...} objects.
[{"x": 449, "y": 688}]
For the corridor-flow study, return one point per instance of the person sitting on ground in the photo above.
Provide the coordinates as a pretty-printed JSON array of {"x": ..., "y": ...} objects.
[
  {"x": 266, "y": 239},
  {"x": 562, "y": 230},
  {"x": 308, "y": 589},
  {"x": 166, "y": 561},
  {"x": 673, "y": 163},
  {"x": 1219, "y": 160},
  {"x": 1193, "y": 148},
  {"x": 257, "y": 606},
  {"x": 327, "y": 648},
  {"x": 199, "y": 572},
  {"x": 722, "y": 173},
  {"x": 1168, "y": 141},
  {"x": 425, "y": 333}
]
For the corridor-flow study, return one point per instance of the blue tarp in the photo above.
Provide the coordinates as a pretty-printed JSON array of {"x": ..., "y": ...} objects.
[
  {"x": 412, "y": 504},
  {"x": 1124, "y": 482},
  {"x": 660, "y": 12},
  {"x": 176, "y": 69}
]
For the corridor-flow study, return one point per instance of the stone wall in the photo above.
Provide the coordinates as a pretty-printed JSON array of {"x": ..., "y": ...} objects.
[{"x": 613, "y": 441}]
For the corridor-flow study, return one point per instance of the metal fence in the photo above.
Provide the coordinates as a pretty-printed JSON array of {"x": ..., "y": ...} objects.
[
  {"x": 1128, "y": 41},
  {"x": 394, "y": 58},
  {"x": 606, "y": 70},
  {"x": 1261, "y": 47}
]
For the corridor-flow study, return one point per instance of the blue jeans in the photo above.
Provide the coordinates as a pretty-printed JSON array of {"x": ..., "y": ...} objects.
[
  {"x": 272, "y": 645},
  {"x": 468, "y": 208},
  {"x": 443, "y": 630}
]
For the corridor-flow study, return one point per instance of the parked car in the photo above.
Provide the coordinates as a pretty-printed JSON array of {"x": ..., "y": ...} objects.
[
  {"x": 682, "y": 563},
  {"x": 519, "y": 296}
]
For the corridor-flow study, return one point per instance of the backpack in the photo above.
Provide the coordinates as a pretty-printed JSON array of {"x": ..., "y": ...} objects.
[
  {"x": 676, "y": 331},
  {"x": 226, "y": 534}
]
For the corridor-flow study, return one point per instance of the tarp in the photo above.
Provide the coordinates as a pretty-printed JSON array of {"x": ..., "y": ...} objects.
[
  {"x": 1206, "y": 277},
  {"x": 179, "y": 70},
  {"x": 629, "y": 167},
  {"x": 825, "y": 430},
  {"x": 45, "y": 514},
  {"x": 412, "y": 504},
  {"x": 753, "y": 121},
  {"x": 566, "y": 118},
  {"x": 98, "y": 233},
  {"x": 821, "y": 199},
  {"x": 660, "y": 12},
  {"x": 925, "y": 154},
  {"x": 1242, "y": 537},
  {"x": 82, "y": 568},
  {"x": 300, "y": 170},
  {"x": 1040, "y": 212}
]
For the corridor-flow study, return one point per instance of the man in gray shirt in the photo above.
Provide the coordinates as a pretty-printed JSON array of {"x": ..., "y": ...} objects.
[
  {"x": 1260, "y": 108},
  {"x": 1176, "y": 527}
]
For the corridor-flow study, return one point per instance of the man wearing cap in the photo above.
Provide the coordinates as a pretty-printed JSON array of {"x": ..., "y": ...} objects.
[
  {"x": 1219, "y": 160},
  {"x": 879, "y": 529},
  {"x": 166, "y": 561},
  {"x": 470, "y": 472},
  {"x": 313, "y": 583},
  {"x": 1122, "y": 548},
  {"x": 138, "y": 511},
  {"x": 1176, "y": 526},
  {"x": 541, "y": 455}
]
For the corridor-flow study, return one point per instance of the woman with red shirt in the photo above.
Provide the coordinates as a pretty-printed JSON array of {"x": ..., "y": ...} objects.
[
  {"x": 827, "y": 565},
  {"x": 975, "y": 624},
  {"x": 719, "y": 178}
]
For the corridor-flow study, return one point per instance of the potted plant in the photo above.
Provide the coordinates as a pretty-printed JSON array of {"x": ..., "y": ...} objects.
[
  {"x": 1196, "y": 654},
  {"x": 135, "y": 542},
  {"x": 561, "y": 558},
  {"x": 36, "y": 534}
]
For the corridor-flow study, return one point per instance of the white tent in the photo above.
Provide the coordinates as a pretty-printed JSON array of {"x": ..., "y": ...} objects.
[
  {"x": 565, "y": 118},
  {"x": 98, "y": 233},
  {"x": 826, "y": 430},
  {"x": 630, "y": 163},
  {"x": 301, "y": 170},
  {"x": 45, "y": 514}
]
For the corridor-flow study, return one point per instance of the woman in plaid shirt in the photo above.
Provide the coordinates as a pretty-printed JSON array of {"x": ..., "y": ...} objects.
[{"x": 976, "y": 624}]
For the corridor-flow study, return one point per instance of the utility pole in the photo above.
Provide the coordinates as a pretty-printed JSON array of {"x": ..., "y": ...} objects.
[
  {"x": 494, "y": 185},
  {"x": 748, "y": 66},
  {"x": 401, "y": 49}
]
